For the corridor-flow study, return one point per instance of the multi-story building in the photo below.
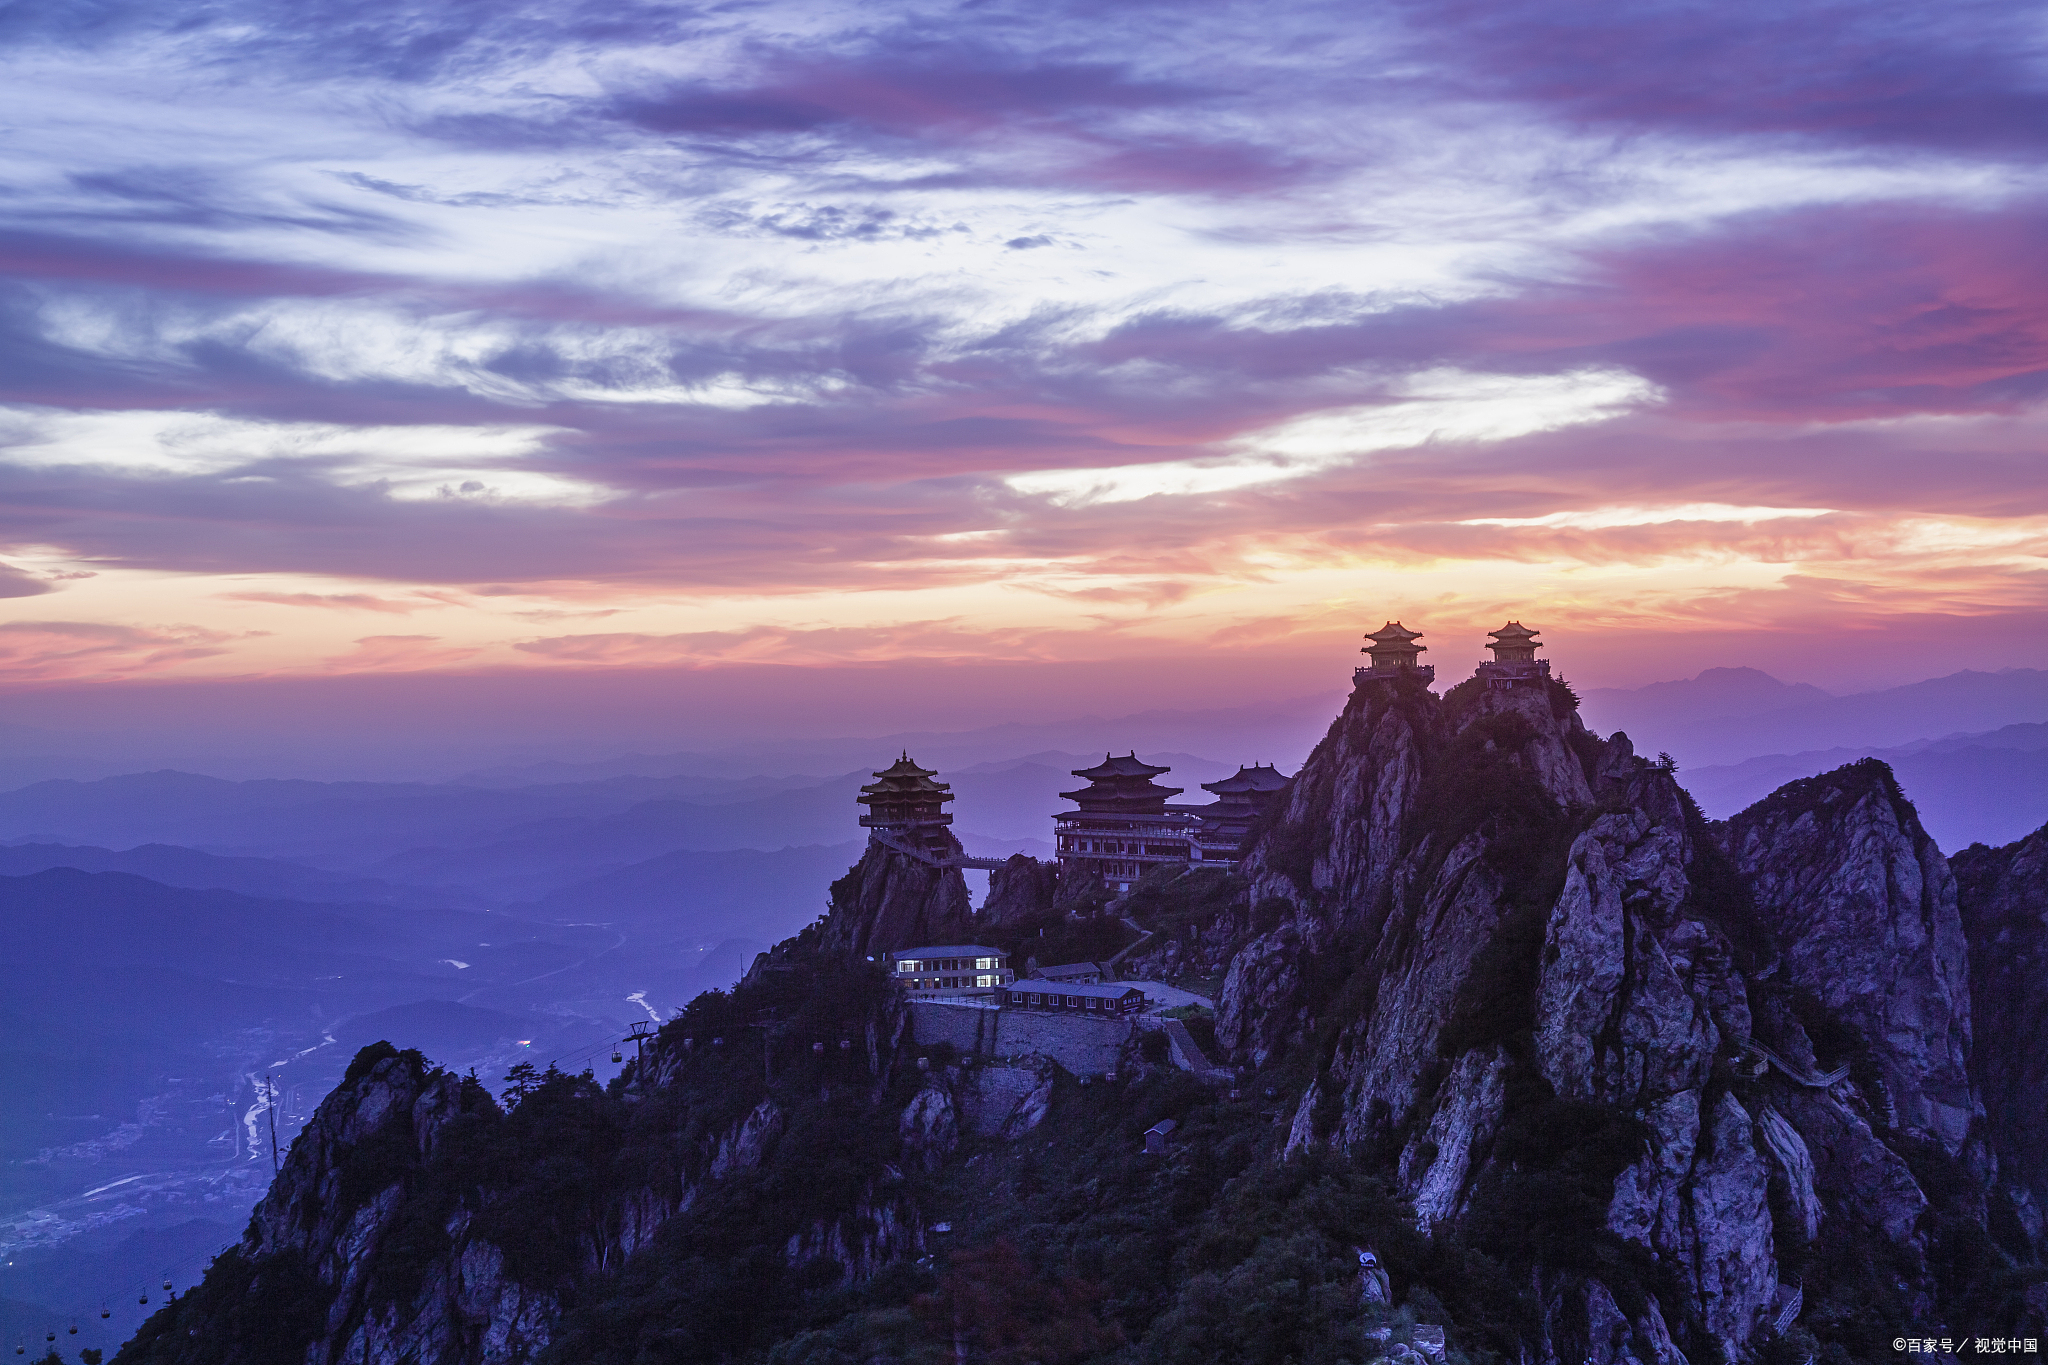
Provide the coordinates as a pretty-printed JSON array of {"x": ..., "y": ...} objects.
[
  {"x": 1394, "y": 654},
  {"x": 951, "y": 971},
  {"x": 905, "y": 808},
  {"x": 1240, "y": 801},
  {"x": 1123, "y": 826},
  {"x": 1514, "y": 662}
]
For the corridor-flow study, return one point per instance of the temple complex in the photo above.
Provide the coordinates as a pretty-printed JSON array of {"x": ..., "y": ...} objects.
[
  {"x": 1240, "y": 800},
  {"x": 1394, "y": 653},
  {"x": 905, "y": 806},
  {"x": 1123, "y": 825},
  {"x": 1514, "y": 662}
]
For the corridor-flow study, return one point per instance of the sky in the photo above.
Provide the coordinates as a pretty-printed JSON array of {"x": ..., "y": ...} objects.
[{"x": 1152, "y": 352}]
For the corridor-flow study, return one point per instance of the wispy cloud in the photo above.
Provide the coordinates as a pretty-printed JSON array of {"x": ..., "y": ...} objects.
[{"x": 1022, "y": 323}]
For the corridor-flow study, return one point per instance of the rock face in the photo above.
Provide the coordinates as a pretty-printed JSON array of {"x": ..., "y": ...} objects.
[
  {"x": 1022, "y": 888},
  {"x": 1696, "y": 1092},
  {"x": 415, "y": 1220},
  {"x": 344, "y": 1260},
  {"x": 892, "y": 899},
  {"x": 1510, "y": 950},
  {"x": 337, "y": 1204},
  {"x": 1863, "y": 908},
  {"x": 2003, "y": 894}
]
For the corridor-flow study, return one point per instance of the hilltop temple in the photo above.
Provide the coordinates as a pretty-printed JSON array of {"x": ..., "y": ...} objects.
[
  {"x": 904, "y": 805},
  {"x": 1514, "y": 662},
  {"x": 1394, "y": 653},
  {"x": 1125, "y": 823},
  {"x": 1240, "y": 800}
]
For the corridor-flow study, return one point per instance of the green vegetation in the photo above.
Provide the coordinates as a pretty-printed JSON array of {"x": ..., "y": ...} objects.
[{"x": 1053, "y": 937}]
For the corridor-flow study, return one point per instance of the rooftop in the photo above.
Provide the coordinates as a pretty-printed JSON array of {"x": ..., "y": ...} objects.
[
  {"x": 1396, "y": 634},
  {"x": 1260, "y": 777},
  {"x": 1106, "y": 990},
  {"x": 1128, "y": 766},
  {"x": 945, "y": 950},
  {"x": 1514, "y": 633}
]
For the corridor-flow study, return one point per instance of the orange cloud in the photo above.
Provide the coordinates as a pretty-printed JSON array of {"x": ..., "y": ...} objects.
[
  {"x": 337, "y": 601},
  {"x": 376, "y": 653},
  {"x": 39, "y": 651}
]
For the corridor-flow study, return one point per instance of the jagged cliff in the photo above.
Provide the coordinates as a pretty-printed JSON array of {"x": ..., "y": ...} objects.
[
  {"x": 2004, "y": 896},
  {"x": 1653, "y": 1088},
  {"x": 1499, "y": 952},
  {"x": 895, "y": 899}
]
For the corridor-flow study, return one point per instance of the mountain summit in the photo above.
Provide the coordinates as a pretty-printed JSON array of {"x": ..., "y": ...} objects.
[{"x": 1573, "y": 1073}]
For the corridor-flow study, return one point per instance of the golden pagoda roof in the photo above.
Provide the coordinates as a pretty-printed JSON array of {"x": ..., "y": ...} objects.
[
  {"x": 903, "y": 778},
  {"x": 1514, "y": 633},
  {"x": 1394, "y": 633}
]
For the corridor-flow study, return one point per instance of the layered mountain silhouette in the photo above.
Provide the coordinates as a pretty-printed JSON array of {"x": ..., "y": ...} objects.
[{"x": 1588, "y": 1076}]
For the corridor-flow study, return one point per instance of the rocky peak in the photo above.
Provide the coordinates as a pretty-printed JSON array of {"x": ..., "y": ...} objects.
[
  {"x": 1404, "y": 786},
  {"x": 1501, "y": 946},
  {"x": 2002, "y": 894},
  {"x": 1022, "y": 888},
  {"x": 895, "y": 899},
  {"x": 1862, "y": 907},
  {"x": 384, "y": 1119}
]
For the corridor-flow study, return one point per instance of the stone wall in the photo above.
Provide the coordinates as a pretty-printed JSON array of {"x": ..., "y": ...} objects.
[{"x": 1083, "y": 1045}]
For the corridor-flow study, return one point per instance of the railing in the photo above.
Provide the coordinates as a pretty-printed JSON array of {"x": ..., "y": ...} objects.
[
  {"x": 1426, "y": 672},
  {"x": 890, "y": 839},
  {"x": 1790, "y": 1312},
  {"x": 1791, "y": 1073}
]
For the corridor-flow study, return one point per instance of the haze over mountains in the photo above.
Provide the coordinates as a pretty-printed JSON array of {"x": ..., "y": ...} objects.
[
  {"x": 1970, "y": 749},
  {"x": 169, "y": 937}
]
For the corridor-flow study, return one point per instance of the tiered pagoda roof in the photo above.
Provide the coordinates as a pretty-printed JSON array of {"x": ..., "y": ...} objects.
[
  {"x": 1248, "y": 784},
  {"x": 1513, "y": 643},
  {"x": 1393, "y": 647},
  {"x": 905, "y": 795},
  {"x": 1240, "y": 799},
  {"x": 1122, "y": 786}
]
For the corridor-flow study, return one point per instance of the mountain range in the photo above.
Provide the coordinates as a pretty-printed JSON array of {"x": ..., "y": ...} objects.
[{"x": 1514, "y": 1055}]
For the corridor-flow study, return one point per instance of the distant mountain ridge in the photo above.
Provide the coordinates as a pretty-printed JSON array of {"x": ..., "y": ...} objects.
[
  {"x": 175, "y": 865},
  {"x": 1990, "y": 788},
  {"x": 1668, "y": 716}
]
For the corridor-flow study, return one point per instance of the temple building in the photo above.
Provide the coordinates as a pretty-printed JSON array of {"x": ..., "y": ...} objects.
[
  {"x": 1123, "y": 826},
  {"x": 1394, "y": 653},
  {"x": 1240, "y": 800},
  {"x": 905, "y": 803},
  {"x": 1514, "y": 662}
]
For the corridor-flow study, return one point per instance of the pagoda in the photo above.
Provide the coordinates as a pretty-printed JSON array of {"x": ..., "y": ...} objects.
[
  {"x": 1514, "y": 663},
  {"x": 1123, "y": 825},
  {"x": 1240, "y": 801},
  {"x": 1394, "y": 654},
  {"x": 905, "y": 798}
]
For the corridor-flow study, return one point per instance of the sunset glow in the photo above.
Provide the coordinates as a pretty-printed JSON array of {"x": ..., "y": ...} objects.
[{"x": 372, "y": 339}]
